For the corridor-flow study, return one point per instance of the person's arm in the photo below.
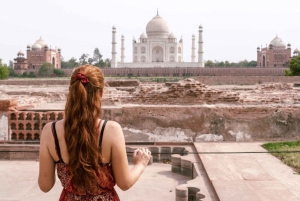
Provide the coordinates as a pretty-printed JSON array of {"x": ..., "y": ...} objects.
[
  {"x": 124, "y": 177},
  {"x": 46, "y": 178}
]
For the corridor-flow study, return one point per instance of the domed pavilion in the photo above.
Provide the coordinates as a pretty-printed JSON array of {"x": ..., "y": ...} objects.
[
  {"x": 37, "y": 55},
  {"x": 277, "y": 54}
]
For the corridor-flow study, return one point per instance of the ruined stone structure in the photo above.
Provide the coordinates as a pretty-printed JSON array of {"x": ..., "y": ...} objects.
[
  {"x": 7, "y": 105},
  {"x": 187, "y": 92},
  {"x": 185, "y": 111},
  {"x": 277, "y": 54},
  {"x": 37, "y": 54}
]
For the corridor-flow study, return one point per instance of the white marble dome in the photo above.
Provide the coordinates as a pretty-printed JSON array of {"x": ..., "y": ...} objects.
[
  {"x": 41, "y": 42},
  {"x": 36, "y": 46},
  {"x": 296, "y": 51},
  {"x": 277, "y": 42},
  {"x": 157, "y": 27},
  {"x": 143, "y": 35},
  {"x": 20, "y": 52},
  {"x": 171, "y": 35}
]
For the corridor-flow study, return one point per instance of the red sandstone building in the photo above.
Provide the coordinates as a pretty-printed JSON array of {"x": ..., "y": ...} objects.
[
  {"x": 38, "y": 54},
  {"x": 276, "y": 55}
]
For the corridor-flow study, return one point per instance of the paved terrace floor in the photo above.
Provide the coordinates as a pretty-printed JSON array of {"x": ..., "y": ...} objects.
[
  {"x": 235, "y": 177},
  {"x": 245, "y": 177},
  {"x": 18, "y": 182}
]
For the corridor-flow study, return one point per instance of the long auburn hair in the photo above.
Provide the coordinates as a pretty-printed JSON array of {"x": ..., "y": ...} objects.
[{"x": 82, "y": 113}]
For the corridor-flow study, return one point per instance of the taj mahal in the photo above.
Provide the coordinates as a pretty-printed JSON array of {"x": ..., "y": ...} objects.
[{"x": 158, "y": 47}]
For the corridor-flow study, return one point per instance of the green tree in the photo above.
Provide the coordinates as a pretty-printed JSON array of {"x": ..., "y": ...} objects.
[
  {"x": 12, "y": 72},
  {"x": 107, "y": 63},
  {"x": 295, "y": 66},
  {"x": 59, "y": 72},
  {"x": 243, "y": 63},
  {"x": 4, "y": 71},
  {"x": 97, "y": 57},
  {"x": 209, "y": 63},
  {"x": 46, "y": 69},
  {"x": 11, "y": 64},
  {"x": 64, "y": 64},
  {"x": 287, "y": 72},
  {"x": 252, "y": 63},
  {"x": 83, "y": 59},
  {"x": 25, "y": 74},
  {"x": 31, "y": 74},
  {"x": 90, "y": 61},
  {"x": 72, "y": 63}
]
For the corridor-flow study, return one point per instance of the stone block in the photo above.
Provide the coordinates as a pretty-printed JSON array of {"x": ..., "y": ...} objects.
[
  {"x": 176, "y": 164},
  {"x": 187, "y": 167},
  {"x": 155, "y": 154},
  {"x": 165, "y": 154}
]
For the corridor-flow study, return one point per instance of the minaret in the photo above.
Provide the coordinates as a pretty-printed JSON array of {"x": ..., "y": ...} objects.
[
  {"x": 193, "y": 49},
  {"x": 122, "y": 49},
  {"x": 200, "y": 47},
  {"x": 114, "y": 63}
]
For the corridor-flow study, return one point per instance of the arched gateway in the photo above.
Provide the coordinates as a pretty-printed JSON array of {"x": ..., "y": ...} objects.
[{"x": 157, "y": 54}]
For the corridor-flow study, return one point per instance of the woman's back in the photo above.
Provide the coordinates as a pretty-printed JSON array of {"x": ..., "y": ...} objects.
[
  {"x": 84, "y": 167},
  {"x": 106, "y": 189}
]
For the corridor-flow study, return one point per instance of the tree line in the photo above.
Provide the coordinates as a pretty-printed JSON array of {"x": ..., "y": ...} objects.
[
  {"x": 96, "y": 59},
  {"x": 47, "y": 69},
  {"x": 244, "y": 63}
]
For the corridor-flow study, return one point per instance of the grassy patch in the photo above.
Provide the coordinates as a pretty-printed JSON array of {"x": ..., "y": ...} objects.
[{"x": 290, "y": 159}]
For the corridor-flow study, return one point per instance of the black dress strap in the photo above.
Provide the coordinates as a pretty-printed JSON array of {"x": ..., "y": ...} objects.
[
  {"x": 101, "y": 134},
  {"x": 57, "y": 148}
]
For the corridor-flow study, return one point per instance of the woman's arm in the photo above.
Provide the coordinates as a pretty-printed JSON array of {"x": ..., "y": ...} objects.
[
  {"x": 124, "y": 177},
  {"x": 46, "y": 178}
]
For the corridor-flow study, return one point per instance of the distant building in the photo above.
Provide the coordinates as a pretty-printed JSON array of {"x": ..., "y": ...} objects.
[
  {"x": 296, "y": 52},
  {"x": 277, "y": 54},
  {"x": 158, "y": 47},
  {"x": 38, "y": 54}
]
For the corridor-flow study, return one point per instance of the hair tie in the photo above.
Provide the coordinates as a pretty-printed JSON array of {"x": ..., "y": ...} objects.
[{"x": 83, "y": 79}]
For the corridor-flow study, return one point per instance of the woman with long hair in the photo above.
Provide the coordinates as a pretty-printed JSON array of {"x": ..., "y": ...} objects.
[{"x": 88, "y": 152}]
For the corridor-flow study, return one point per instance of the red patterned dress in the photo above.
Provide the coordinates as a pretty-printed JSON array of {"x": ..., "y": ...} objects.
[{"x": 106, "y": 192}]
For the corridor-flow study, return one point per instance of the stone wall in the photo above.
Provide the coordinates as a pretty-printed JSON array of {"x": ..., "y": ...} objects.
[
  {"x": 123, "y": 83},
  {"x": 189, "y": 123},
  {"x": 28, "y": 125},
  {"x": 179, "y": 124},
  {"x": 35, "y": 82},
  {"x": 208, "y": 80},
  {"x": 246, "y": 80},
  {"x": 188, "y": 71}
]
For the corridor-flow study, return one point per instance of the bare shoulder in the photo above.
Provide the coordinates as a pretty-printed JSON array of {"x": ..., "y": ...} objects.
[
  {"x": 114, "y": 129},
  {"x": 47, "y": 130},
  {"x": 113, "y": 125}
]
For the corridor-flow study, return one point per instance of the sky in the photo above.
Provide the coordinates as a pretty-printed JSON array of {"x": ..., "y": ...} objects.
[{"x": 232, "y": 29}]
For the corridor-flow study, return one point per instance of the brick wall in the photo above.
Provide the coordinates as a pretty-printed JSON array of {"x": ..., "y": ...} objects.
[{"x": 208, "y": 80}]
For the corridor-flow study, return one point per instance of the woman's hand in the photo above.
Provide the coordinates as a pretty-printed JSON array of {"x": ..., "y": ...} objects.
[{"x": 141, "y": 156}]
